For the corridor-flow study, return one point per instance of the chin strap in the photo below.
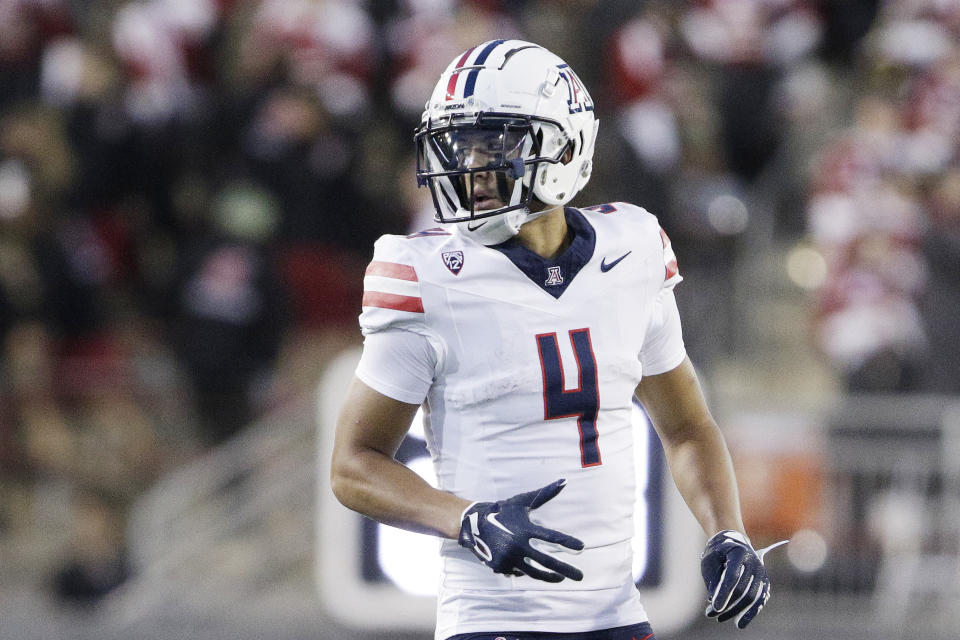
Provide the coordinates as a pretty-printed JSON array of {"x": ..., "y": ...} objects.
[
  {"x": 495, "y": 229},
  {"x": 533, "y": 215}
]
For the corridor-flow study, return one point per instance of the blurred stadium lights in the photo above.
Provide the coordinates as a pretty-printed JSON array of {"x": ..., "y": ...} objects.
[
  {"x": 806, "y": 267},
  {"x": 728, "y": 214},
  {"x": 14, "y": 188},
  {"x": 807, "y": 551}
]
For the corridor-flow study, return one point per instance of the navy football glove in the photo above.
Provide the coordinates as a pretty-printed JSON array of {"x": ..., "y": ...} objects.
[
  {"x": 499, "y": 533},
  {"x": 737, "y": 582}
]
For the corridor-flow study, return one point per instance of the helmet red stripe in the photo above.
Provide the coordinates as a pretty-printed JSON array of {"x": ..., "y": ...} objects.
[{"x": 452, "y": 83}]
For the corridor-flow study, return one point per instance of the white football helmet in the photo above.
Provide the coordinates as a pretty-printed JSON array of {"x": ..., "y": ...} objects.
[{"x": 508, "y": 121}]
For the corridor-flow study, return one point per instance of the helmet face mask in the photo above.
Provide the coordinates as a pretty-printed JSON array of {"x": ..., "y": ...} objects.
[
  {"x": 508, "y": 122},
  {"x": 481, "y": 166}
]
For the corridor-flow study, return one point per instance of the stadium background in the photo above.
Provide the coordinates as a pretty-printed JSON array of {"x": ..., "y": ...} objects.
[{"x": 190, "y": 189}]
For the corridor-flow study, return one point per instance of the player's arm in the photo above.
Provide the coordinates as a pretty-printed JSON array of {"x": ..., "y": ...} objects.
[
  {"x": 736, "y": 580},
  {"x": 695, "y": 449},
  {"x": 365, "y": 476}
]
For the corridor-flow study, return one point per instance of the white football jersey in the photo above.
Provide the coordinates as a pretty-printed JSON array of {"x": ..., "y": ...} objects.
[{"x": 535, "y": 362}]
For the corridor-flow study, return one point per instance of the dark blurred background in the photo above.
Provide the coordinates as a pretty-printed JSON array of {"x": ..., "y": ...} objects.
[{"x": 190, "y": 189}]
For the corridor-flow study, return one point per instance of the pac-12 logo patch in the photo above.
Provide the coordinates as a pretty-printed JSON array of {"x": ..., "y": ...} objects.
[{"x": 453, "y": 260}]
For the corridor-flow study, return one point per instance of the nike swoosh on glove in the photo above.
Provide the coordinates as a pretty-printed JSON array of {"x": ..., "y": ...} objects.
[
  {"x": 499, "y": 534},
  {"x": 737, "y": 582}
]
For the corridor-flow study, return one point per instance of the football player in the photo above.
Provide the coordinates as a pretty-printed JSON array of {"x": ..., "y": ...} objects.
[{"x": 525, "y": 329}]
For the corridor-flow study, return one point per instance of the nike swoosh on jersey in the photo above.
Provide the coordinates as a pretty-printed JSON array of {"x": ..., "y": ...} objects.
[
  {"x": 605, "y": 266},
  {"x": 469, "y": 228}
]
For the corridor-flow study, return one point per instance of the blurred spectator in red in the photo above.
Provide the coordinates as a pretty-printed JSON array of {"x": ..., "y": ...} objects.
[
  {"x": 231, "y": 310},
  {"x": 646, "y": 128},
  {"x": 424, "y": 34},
  {"x": 751, "y": 42},
  {"x": 292, "y": 147},
  {"x": 26, "y": 26}
]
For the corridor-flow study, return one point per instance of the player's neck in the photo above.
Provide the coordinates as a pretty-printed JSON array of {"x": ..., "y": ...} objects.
[{"x": 546, "y": 236}]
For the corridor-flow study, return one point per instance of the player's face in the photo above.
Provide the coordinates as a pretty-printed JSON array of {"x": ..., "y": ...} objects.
[
  {"x": 485, "y": 192},
  {"x": 477, "y": 149}
]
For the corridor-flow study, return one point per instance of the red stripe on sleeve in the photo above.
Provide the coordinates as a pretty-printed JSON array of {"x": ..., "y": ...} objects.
[
  {"x": 452, "y": 83},
  {"x": 392, "y": 301},
  {"x": 391, "y": 270},
  {"x": 672, "y": 270},
  {"x": 670, "y": 259},
  {"x": 664, "y": 238}
]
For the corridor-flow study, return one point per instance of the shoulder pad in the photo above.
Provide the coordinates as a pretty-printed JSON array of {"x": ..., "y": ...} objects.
[
  {"x": 648, "y": 224},
  {"x": 621, "y": 207},
  {"x": 429, "y": 233}
]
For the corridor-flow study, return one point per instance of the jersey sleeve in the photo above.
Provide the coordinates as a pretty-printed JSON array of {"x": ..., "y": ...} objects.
[
  {"x": 399, "y": 364},
  {"x": 663, "y": 347},
  {"x": 391, "y": 290},
  {"x": 401, "y": 355}
]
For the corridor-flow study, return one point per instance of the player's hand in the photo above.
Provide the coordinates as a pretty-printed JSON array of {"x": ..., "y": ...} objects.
[
  {"x": 499, "y": 533},
  {"x": 737, "y": 582}
]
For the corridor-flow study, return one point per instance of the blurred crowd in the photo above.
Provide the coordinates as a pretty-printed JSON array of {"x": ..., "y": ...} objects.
[
  {"x": 884, "y": 209},
  {"x": 189, "y": 190}
]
